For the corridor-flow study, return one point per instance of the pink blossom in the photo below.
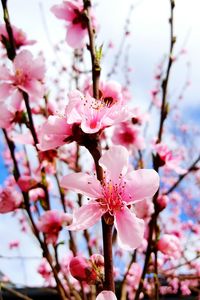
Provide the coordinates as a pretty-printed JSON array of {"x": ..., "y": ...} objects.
[
  {"x": 110, "y": 92},
  {"x": 45, "y": 271},
  {"x": 144, "y": 209},
  {"x": 26, "y": 183},
  {"x": 19, "y": 36},
  {"x": 120, "y": 188},
  {"x": 168, "y": 159},
  {"x": 170, "y": 245},
  {"x": 54, "y": 133},
  {"x": 82, "y": 270},
  {"x": 93, "y": 114},
  {"x": 10, "y": 199},
  {"x": 73, "y": 13},
  {"x": 106, "y": 295},
  {"x": 51, "y": 222},
  {"x": 139, "y": 116},
  {"x": 128, "y": 135},
  {"x": 133, "y": 279},
  {"x": 14, "y": 244},
  {"x": 27, "y": 75}
]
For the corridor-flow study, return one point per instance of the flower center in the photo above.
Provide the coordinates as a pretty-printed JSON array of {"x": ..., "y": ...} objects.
[
  {"x": 113, "y": 196},
  {"x": 20, "y": 77},
  {"x": 80, "y": 18}
]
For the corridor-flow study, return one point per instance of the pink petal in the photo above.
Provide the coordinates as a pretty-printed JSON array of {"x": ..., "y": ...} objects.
[
  {"x": 16, "y": 101},
  {"x": 6, "y": 116},
  {"x": 130, "y": 229},
  {"x": 115, "y": 162},
  {"x": 86, "y": 216},
  {"x": 22, "y": 138},
  {"x": 64, "y": 11},
  {"x": 4, "y": 73},
  {"x": 53, "y": 133},
  {"x": 23, "y": 60},
  {"x": 141, "y": 184},
  {"x": 106, "y": 295},
  {"x": 5, "y": 90},
  {"x": 83, "y": 184},
  {"x": 75, "y": 36},
  {"x": 34, "y": 88}
]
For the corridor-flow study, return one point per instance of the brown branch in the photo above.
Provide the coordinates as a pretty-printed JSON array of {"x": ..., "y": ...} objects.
[
  {"x": 11, "y": 46},
  {"x": 164, "y": 107},
  {"x": 96, "y": 69}
]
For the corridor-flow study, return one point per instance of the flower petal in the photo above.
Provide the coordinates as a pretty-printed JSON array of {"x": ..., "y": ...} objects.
[
  {"x": 130, "y": 229},
  {"x": 106, "y": 295},
  {"x": 75, "y": 35},
  {"x": 141, "y": 184},
  {"x": 86, "y": 216},
  {"x": 115, "y": 162},
  {"x": 83, "y": 184}
]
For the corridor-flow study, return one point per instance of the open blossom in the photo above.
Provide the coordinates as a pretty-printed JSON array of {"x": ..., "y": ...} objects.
[
  {"x": 128, "y": 135},
  {"x": 10, "y": 199},
  {"x": 170, "y": 245},
  {"x": 73, "y": 13},
  {"x": 168, "y": 159},
  {"x": 51, "y": 222},
  {"x": 119, "y": 188},
  {"x": 19, "y": 36},
  {"x": 27, "y": 75},
  {"x": 110, "y": 91},
  {"x": 95, "y": 114},
  {"x": 45, "y": 271},
  {"x": 53, "y": 133}
]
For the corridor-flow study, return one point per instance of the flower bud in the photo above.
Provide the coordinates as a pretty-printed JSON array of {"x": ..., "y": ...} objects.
[
  {"x": 81, "y": 269},
  {"x": 162, "y": 201}
]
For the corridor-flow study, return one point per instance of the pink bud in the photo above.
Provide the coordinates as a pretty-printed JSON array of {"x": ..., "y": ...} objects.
[
  {"x": 81, "y": 269},
  {"x": 162, "y": 201},
  {"x": 170, "y": 245}
]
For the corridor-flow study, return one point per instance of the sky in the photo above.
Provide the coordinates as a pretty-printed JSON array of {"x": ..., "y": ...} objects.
[{"x": 148, "y": 42}]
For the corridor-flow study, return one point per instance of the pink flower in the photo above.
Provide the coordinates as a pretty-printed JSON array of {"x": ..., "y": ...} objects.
[
  {"x": 110, "y": 92},
  {"x": 51, "y": 223},
  {"x": 14, "y": 244},
  {"x": 45, "y": 271},
  {"x": 36, "y": 194},
  {"x": 73, "y": 13},
  {"x": 128, "y": 135},
  {"x": 168, "y": 159},
  {"x": 119, "y": 189},
  {"x": 170, "y": 245},
  {"x": 26, "y": 183},
  {"x": 106, "y": 295},
  {"x": 18, "y": 34},
  {"x": 133, "y": 279},
  {"x": 54, "y": 133},
  {"x": 10, "y": 199},
  {"x": 93, "y": 114},
  {"x": 27, "y": 75}
]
